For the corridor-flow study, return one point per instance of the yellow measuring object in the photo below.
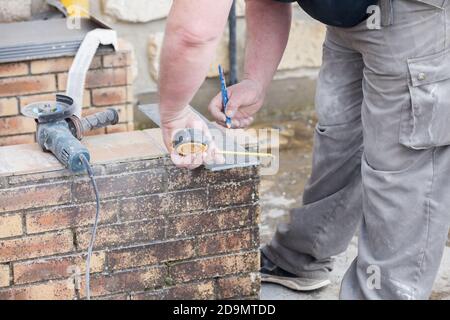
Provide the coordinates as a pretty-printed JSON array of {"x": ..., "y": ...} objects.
[
  {"x": 190, "y": 141},
  {"x": 77, "y": 8}
]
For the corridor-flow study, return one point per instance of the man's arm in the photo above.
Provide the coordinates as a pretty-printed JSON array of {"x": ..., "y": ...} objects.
[
  {"x": 193, "y": 31},
  {"x": 268, "y": 26}
]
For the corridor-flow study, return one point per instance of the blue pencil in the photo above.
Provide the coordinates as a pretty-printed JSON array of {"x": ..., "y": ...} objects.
[{"x": 224, "y": 95}]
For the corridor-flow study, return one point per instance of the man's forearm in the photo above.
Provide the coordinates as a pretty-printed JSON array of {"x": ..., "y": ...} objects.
[
  {"x": 268, "y": 25},
  {"x": 192, "y": 34}
]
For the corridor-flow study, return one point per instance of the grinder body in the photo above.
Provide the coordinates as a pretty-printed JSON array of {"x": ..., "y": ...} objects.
[{"x": 57, "y": 138}]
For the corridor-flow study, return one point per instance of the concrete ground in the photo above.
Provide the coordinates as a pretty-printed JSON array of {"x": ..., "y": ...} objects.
[{"x": 282, "y": 192}]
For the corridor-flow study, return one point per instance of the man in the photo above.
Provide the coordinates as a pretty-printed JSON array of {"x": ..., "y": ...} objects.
[{"x": 381, "y": 157}]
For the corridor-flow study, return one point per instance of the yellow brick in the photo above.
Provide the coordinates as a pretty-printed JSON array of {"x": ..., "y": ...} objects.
[
  {"x": 10, "y": 226},
  {"x": 51, "y": 65},
  {"x": 130, "y": 113},
  {"x": 8, "y": 107},
  {"x": 59, "y": 65},
  {"x": 130, "y": 76},
  {"x": 130, "y": 94},
  {"x": 4, "y": 275}
]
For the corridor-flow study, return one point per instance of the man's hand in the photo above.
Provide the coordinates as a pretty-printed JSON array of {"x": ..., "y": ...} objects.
[
  {"x": 184, "y": 120},
  {"x": 245, "y": 99},
  {"x": 265, "y": 46}
]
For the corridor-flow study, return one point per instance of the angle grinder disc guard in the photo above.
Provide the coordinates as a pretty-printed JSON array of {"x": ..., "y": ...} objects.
[{"x": 50, "y": 111}]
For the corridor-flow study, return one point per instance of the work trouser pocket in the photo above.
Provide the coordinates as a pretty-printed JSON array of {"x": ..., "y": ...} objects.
[{"x": 426, "y": 121}]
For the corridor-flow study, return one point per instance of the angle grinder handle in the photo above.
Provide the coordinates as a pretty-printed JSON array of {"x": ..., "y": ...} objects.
[{"x": 100, "y": 120}]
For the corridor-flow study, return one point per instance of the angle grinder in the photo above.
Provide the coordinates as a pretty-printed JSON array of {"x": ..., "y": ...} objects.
[{"x": 60, "y": 132}]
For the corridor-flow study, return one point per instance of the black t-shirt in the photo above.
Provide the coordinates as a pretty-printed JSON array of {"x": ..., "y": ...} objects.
[{"x": 338, "y": 13}]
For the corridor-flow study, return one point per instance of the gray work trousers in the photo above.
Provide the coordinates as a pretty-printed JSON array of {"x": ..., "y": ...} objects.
[{"x": 381, "y": 157}]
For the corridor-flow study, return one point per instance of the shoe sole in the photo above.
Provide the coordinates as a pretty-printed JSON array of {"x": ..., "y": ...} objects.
[{"x": 292, "y": 284}]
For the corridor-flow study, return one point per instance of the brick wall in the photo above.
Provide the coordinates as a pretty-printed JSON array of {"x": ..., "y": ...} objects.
[
  {"x": 165, "y": 233},
  {"x": 108, "y": 85}
]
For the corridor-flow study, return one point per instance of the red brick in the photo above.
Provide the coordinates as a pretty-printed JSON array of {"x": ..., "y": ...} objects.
[
  {"x": 36, "y": 246},
  {"x": 214, "y": 267},
  {"x": 87, "y": 101},
  {"x": 27, "y": 85},
  {"x": 34, "y": 196},
  {"x": 53, "y": 290},
  {"x": 227, "y": 242},
  {"x": 182, "y": 179},
  {"x": 146, "y": 207},
  {"x": 4, "y": 275},
  {"x": 8, "y": 107},
  {"x": 123, "y": 234},
  {"x": 231, "y": 194},
  {"x": 119, "y": 59},
  {"x": 56, "y": 268},
  {"x": 59, "y": 65},
  {"x": 13, "y": 69},
  {"x": 58, "y": 218},
  {"x": 234, "y": 175},
  {"x": 129, "y": 281},
  {"x": 151, "y": 254},
  {"x": 238, "y": 286},
  {"x": 99, "y": 78},
  {"x": 184, "y": 201},
  {"x": 16, "y": 125},
  {"x": 190, "y": 291},
  {"x": 14, "y": 140},
  {"x": 200, "y": 223},
  {"x": 109, "y": 96},
  {"x": 140, "y": 208},
  {"x": 10, "y": 226},
  {"x": 129, "y": 184}
]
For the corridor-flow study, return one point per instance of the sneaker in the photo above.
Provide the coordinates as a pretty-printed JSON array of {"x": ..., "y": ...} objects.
[{"x": 271, "y": 273}]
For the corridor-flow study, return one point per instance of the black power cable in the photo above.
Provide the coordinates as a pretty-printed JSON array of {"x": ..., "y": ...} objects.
[{"x": 88, "y": 167}]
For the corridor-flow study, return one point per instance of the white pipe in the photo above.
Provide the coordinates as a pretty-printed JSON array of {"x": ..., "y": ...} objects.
[{"x": 78, "y": 71}]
